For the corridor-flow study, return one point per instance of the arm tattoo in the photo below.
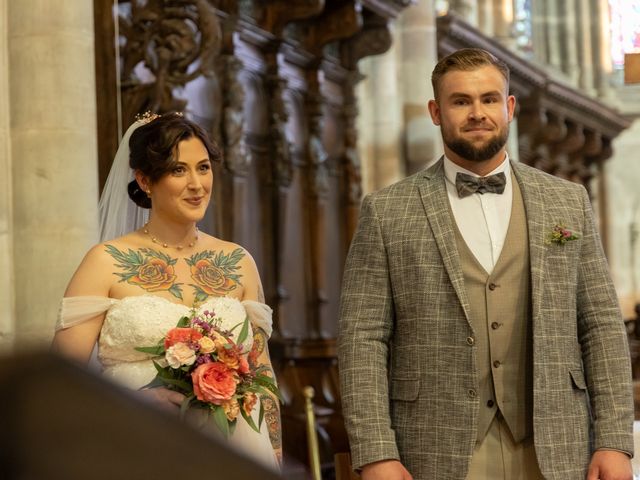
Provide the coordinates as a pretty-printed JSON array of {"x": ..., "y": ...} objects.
[
  {"x": 215, "y": 274},
  {"x": 272, "y": 419},
  {"x": 146, "y": 268},
  {"x": 259, "y": 345}
]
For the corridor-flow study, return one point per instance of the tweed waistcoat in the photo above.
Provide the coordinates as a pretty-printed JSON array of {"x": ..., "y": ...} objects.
[{"x": 500, "y": 309}]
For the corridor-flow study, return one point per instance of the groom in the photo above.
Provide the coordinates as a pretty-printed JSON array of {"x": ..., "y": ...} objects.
[{"x": 480, "y": 335}]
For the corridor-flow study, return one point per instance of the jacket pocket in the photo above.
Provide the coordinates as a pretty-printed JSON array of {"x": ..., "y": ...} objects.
[
  {"x": 577, "y": 375},
  {"x": 404, "y": 389}
]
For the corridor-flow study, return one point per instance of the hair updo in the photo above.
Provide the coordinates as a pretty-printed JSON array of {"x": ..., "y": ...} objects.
[{"x": 153, "y": 150}]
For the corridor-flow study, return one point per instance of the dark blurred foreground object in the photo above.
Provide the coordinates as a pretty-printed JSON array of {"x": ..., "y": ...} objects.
[{"x": 60, "y": 421}]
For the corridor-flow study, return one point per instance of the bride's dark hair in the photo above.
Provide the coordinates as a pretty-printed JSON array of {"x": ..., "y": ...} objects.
[{"x": 153, "y": 148}]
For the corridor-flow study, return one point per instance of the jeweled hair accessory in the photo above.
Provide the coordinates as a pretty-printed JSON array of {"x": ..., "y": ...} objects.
[{"x": 146, "y": 117}]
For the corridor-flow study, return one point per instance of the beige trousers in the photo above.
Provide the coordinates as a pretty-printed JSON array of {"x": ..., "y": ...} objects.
[{"x": 499, "y": 457}]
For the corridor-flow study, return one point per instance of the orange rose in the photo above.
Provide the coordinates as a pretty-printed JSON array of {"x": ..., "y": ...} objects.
[
  {"x": 249, "y": 400},
  {"x": 214, "y": 383},
  {"x": 231, "y": 409},
  {"x": 154, "y": 276},
  {"x": 183, "y": 335},
  {"x": 230, "y": 356},
  {"x": 212, "y": 279}
]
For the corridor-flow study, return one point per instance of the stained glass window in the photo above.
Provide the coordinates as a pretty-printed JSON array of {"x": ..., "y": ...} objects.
[
  {"x": 522, "y": 26},
  {"x": 625, "y": 29}
]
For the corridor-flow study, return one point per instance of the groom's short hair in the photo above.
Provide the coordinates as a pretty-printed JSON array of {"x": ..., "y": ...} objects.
[{"x": 466, "y": 59}]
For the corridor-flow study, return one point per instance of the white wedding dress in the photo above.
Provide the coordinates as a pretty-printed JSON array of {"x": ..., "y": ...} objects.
[{"x": 141, "y": 321}]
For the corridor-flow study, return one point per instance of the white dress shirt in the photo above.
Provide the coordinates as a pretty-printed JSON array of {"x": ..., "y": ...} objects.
[{"x": 483, "y": 219}]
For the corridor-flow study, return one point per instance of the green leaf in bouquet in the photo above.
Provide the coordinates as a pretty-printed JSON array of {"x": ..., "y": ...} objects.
[
  {"x": 249, "y": 420},
  {"x": 269, "y": 384},
  {"x": 220, "y": 419},
  {"x": 183, "y": 322},
  {"x": 182, "y": 385},
  {"x": 184, "y": 406},
  {"x": 156, "y": 350},
  {"x": 172, "y": 379},
  {"x": 261, "y": 414},
  {"x": 232, "y": 426},
  {"x": 156, "y": 382},
  {"x": 244, "y": 333}
]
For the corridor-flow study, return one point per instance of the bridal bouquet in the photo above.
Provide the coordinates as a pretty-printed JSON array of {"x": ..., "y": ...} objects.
[{"x": 208, "y": 365}]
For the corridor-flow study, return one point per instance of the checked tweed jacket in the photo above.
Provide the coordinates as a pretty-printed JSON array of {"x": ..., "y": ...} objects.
[{"x": 407, "y": 372}]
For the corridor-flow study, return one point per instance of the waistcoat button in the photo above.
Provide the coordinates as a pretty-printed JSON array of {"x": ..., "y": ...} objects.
[
  {"x": 496, "y": 363},
  {"x": 490, "y": 403},
  {"x": 492, "y": 286},
  {"x": 472, "y": 393},
  {"x": 470, "y": 341},
  {"x": 495, "y": 325}
]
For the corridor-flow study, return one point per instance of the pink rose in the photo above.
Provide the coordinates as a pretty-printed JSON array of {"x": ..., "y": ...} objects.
[{"x": 214, "y": 382}]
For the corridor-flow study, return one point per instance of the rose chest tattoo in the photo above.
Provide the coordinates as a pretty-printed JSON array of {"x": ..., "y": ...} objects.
[
  {"x": 147, "y": 268},
  {"x": 214, "y": 273}
]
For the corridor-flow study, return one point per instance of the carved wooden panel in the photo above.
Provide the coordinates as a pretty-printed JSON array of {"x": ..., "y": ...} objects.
[{"x": 273, "y": 83}]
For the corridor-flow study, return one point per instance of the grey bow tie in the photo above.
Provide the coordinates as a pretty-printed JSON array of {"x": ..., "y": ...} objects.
[{"x": 468, "y": 184}]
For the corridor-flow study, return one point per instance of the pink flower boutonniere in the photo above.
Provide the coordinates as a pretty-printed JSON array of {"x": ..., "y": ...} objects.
[{"x": 561, "y": 235}]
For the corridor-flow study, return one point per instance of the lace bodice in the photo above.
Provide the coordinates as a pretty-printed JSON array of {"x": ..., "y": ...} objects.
[{"x": 142, "y": 321}]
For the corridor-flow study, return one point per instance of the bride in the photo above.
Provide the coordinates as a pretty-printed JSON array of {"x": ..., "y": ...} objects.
[{"x": 131, "y": 289}]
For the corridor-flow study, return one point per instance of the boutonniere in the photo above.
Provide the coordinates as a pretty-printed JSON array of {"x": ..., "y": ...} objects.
[{"x": 561, "y": 235}]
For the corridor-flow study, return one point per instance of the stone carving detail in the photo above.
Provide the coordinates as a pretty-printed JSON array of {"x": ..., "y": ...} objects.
[
  {"x": 237, "y": 155},
  {"x": 163, "y": 46},
  {"x": 277, "y": 131}
]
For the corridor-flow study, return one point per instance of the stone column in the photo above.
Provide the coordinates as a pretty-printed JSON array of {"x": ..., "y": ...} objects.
[
  {"x": 503, "y": 22},
  {"x": 486, "y": 16},
  {"x": 601, "y": 47},
  {"x": 422, "y": 140},
  {"x": 569, "y": 39},
  {"x": 551, "y": 19},
  {"x": 7, "y": 310},
  {"x": 585, "y": 46},
  {"x": 380, "y": 122},
  {"x": 467, "y": 9},
  {"x": 54, "y": 152}
]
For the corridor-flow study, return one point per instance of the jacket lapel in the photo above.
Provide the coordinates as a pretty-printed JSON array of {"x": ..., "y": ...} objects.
[
  {"x": 533, "y": 198},
  {"x": 436, "y": 205}
]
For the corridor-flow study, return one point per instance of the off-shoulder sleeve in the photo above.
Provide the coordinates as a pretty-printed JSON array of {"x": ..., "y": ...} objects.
[
  {"x": 260, "y": 315},
  {"x": 75, "y": 310}
]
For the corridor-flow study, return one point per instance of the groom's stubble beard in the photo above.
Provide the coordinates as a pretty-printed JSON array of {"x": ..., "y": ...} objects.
[{"x": 465, "y": 149}]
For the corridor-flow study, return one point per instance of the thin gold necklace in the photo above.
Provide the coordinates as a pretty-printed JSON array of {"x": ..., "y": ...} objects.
[{"x": 155, "y": 240}]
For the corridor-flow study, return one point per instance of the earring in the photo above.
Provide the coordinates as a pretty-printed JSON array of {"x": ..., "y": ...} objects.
[{"x": 149, "y": 193}]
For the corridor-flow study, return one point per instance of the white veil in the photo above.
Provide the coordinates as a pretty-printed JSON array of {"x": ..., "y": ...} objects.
[{"x": 118, "y": 213}]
